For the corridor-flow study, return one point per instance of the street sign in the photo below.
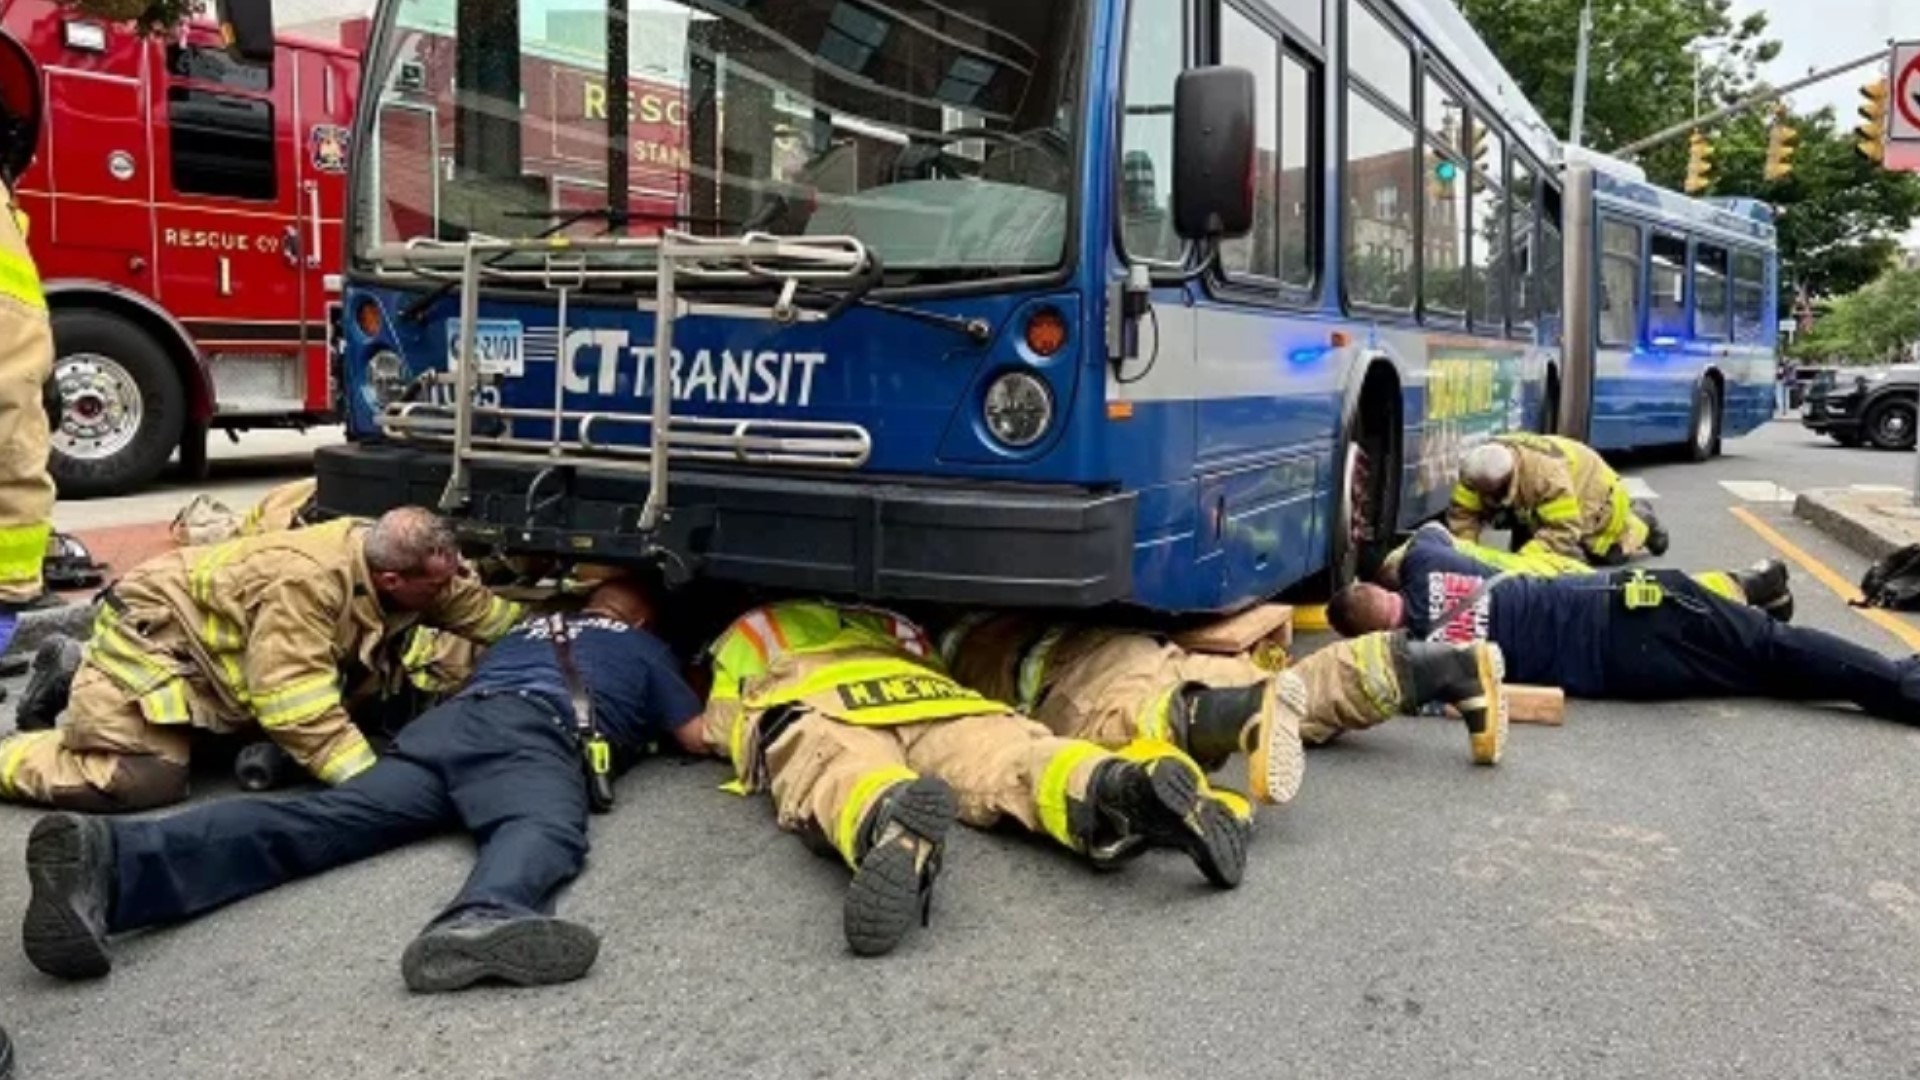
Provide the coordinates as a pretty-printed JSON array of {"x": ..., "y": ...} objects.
[{"x": 1903, "y": 117}]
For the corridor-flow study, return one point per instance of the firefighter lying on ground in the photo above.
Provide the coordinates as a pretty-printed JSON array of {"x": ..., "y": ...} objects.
[
  {"x": 1764, "y": 585},
  {"x": 1113, "y": 687},
  {"x": 1638, "y": 635},
  {"x": 847, "y": 718},
  {"x": 254, "y": 631},
  {"x": 1570, "y": 501},
  {"x": 507, "y": 759}
]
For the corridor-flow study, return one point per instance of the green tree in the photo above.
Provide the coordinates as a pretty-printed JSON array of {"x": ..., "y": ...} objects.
[{"x": 1877, "y": 323}]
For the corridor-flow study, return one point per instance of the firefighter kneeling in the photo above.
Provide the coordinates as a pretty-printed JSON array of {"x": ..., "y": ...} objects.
[
  {"x": 846, "y": 716},
  {"x": 1558, "y": 489},
  {"x": 251, "y": 631}
]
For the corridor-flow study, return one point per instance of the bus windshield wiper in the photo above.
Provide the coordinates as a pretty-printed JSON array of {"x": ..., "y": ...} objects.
[
  {"x": 415, "y": 311},
  {"x": 975, "y": 327}
]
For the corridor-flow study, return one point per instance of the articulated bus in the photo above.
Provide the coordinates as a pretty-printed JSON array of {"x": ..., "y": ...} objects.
[
  {"x": 1032, "y": 334},
  {"x": 1683, "y": 314}
]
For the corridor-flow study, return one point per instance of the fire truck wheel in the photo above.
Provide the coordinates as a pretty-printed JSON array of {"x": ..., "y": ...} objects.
[{"x": 122, "y": 407}]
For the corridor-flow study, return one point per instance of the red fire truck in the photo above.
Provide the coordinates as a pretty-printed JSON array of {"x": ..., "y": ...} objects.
[{"x": 185, "y": 215}]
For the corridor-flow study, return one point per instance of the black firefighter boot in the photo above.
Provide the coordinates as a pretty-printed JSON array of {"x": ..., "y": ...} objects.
[
  {"x": 70, "y": 867},
  {"x": 1767, "y": 588},
  {"x": 900, "y": 849},
  {"x": 49, "y": 682},
  {"x": 1164, "y": 803},
  {"x": 1261, "y": 721},
  {"x": 1467, "y": 677},
  {"x": 1657, "y": 538}
]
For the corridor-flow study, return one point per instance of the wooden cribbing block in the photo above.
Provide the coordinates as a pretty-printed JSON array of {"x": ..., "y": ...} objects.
[
  {"x": 1270, "y": 624},
  {"x": 1533, "y": 705}
]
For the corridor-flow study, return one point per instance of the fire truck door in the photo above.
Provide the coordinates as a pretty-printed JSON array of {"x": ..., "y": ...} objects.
[
  {"x": 323, "y": 113},
  {"x": 97, "y": 166},
  {"x": 230, "y": 248}
]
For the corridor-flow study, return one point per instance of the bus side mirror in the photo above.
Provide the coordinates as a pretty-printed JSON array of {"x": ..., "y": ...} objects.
[
  {"x": 1213, "y": 153},
  {"x": 247, "y": 27}
]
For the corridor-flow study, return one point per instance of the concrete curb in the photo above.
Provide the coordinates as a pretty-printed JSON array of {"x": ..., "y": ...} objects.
[{"x": 1872, "y": 521}]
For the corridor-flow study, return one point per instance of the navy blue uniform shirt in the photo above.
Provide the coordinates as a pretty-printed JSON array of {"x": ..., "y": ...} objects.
[
  {"x": 1552, "y": 631},
  {"x": 631, "y": 676}
]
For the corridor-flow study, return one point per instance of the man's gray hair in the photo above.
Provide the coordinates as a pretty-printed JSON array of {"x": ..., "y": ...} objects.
[
  {"x": 1488, "y": 468},
  {"x": 405, "y": 539}
]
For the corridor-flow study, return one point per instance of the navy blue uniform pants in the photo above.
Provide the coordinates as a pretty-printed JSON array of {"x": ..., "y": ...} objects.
[
  {"x": 501, "y": 767},
  {"x": 1696, "y": 644}
]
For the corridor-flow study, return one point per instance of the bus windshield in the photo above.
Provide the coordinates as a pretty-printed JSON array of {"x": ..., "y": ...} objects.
[{"x": 941, "y": 133}]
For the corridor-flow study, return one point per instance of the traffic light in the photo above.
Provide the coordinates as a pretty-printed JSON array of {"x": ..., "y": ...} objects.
[
  {"x": 1872, "y": 135},
  {"x": 1480, "y": 144},
  {"x": 1699, "y": 168},
  {"x": 1780, "y": 148}
]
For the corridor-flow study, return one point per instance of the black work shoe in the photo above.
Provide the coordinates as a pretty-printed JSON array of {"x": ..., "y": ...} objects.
[
  {"x": 1164, "y": 803},
  {"x": 49, "y": 682},
  {"x": 1261, "y": 721},
  {"x": 1657, "y": 538},
  {"x": 906, "y": 836},
  {"x": 70, "y": 867},
  {"x": 525, "y": 950},
  {"x": 1766, "y": 586},
  {"x": 264, "y": 766}
]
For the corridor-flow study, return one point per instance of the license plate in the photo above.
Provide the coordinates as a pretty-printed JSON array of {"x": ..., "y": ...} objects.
[{"x": 497, "y": 343}]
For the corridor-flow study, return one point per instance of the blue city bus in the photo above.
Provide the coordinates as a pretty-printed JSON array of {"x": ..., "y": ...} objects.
[
  {"x": 1684, "y": 315},
  {"x": 1174, "y": 304}
]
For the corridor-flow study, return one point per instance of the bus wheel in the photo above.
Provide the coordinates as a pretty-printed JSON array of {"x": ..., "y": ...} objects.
[
  {"x": 1703, "y": 429},
  {"x": 122, "y": 407},
  {"x": 1890, "y": 425},
  {"x": 1363, "y": 526}
]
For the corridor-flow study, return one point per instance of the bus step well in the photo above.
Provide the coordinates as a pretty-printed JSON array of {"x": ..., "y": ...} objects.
[{"x": 564, "y": 266}]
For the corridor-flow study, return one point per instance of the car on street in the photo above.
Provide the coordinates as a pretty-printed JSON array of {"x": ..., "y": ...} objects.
[{"x": 1876, "y": 407}]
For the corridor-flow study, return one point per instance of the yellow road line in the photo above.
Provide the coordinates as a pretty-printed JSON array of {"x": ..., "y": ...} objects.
[{"x": 1908, "y": 634}]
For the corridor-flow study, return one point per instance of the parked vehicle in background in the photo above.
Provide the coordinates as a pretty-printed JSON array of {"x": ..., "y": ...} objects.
[
  {"x": 185, "y": 216},
  {"x": 1877, "y": 407}
]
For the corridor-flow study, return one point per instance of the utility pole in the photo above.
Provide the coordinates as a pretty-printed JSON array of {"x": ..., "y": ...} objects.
[{"x": 1580, "y": 75}]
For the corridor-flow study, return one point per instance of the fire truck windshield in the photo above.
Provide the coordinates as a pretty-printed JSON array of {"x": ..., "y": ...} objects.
[{"x": 941, "y": 133}]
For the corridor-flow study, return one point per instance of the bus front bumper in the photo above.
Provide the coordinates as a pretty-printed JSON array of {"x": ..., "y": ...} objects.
[{"x": 974, "y": 545}]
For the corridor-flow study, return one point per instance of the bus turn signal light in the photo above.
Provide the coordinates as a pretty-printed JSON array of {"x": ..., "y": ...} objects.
[{"x": 1046, "y": 332}]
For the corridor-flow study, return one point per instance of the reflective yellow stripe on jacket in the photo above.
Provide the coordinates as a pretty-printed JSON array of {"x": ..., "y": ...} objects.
[
  {"x": 304, "y": 700},
  {"x": 22, "y": 549},
  {"x": 882, "y": 692},
  {"x": 19, "y": 280}
]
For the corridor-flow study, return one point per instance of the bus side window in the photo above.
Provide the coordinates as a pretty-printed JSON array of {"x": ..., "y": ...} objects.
[
  {"x": 1157, "y": 52},
  {"x": 1749, "y": 298},
  {"x": 1379, "y": 175},
  {"x": 1619, "y": 284},
  {"x": 1280, "y": 247},
  {"x": 1551, "y": 248},
  {"x": 1667, "y": 296},
  {"x": 1710, "y": 292},
  {"x": 1522, "y": 289}
]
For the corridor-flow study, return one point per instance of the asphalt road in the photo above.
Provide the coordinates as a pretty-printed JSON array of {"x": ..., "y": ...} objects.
[{"x": 1699, "y": 890}]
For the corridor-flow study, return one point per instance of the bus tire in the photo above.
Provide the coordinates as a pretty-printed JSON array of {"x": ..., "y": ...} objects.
[
  {"x": 1889, "y": 424},
  {"x": 122, "y": 405},
  {"x": 1367, "y": 483},
  {"x": 1703, "y": 426}
]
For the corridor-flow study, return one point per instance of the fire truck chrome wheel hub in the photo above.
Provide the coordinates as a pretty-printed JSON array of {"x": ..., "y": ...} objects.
[{"x": 100, "y": 410}]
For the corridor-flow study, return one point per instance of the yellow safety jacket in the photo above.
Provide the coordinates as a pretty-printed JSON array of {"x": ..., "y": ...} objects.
[
  {"x": 26, "y": 354},
  {"x": 1570, "y": 499},
  {"x": 856, "y": 664},
  {"x": 256, "y": 631}
]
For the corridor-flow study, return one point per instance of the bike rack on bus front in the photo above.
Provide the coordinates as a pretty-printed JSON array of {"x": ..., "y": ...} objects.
[{"x": 565, "y": 265}]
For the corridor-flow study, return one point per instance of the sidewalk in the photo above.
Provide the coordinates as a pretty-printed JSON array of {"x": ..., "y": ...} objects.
[{"x": 1873, "y": 519}]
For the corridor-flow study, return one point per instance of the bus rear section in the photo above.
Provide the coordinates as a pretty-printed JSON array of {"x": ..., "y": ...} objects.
[
  {"x": 186, "y": 212},
  {"x": 1682, "y": 315}
]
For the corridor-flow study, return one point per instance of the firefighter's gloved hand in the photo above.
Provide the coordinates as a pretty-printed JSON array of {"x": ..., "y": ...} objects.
[{"x": 263, "y": 766}]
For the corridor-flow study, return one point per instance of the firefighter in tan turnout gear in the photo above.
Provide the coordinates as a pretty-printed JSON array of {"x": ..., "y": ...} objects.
[
  {"x": 1559, "y": 490},
  {"x": 845, "y": 715},
  {"x": 1112, "y": 686},
  {"x": 253, "y": 631},
  {"x": 26, "y": 353}
]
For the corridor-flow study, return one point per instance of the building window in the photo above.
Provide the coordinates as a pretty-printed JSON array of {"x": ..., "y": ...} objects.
[
  {"x": 222, "y": 145},
  {"x": 852, "y": 37}
]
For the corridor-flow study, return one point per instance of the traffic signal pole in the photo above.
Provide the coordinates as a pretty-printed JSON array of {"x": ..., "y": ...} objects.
[{"x": 1745, "y": 104}]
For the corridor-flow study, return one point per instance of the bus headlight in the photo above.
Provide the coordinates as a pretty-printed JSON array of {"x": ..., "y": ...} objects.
[
  {"x": 1018, "y": 409},
  {"x": 386, "y": 377}
]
